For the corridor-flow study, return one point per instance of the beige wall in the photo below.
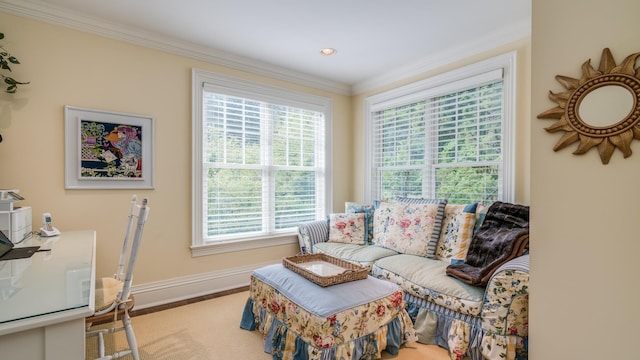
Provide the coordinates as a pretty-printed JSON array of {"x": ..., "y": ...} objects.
[
  {"x": 67, "y": 67},
  {"x": 584, "y": 237},
  {"x": 522, "y": 49},
  {"x": 584, "y": 242}
]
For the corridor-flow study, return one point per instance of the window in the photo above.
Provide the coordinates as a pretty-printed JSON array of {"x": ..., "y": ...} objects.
[
  {"x": 446, "y": 137},
  {"x": 260, "y": 163}
]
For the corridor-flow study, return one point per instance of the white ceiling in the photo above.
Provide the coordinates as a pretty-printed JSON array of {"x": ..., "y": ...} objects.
[{"x": 374, "y": 38}]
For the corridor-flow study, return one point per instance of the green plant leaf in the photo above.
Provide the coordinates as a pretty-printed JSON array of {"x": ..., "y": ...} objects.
[{"x": 5, "y": 59}]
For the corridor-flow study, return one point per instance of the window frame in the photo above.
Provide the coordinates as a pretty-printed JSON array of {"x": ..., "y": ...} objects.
[
  {"x": 258, "y": 91},
  {"x": 449, "y": 82}
]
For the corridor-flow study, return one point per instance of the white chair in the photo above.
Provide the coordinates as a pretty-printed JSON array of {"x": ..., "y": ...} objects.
[{"x": 113, "y": 294}]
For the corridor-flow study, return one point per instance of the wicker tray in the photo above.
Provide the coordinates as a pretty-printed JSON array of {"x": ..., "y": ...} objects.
[{"x": 325, "y": 270}]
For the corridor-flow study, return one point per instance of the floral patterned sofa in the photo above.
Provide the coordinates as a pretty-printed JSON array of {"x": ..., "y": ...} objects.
[{"x": 473, "y": 304}]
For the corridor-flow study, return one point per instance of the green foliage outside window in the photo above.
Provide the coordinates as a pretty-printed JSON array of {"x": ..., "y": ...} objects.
[
  {"x": 237, "y": 179},
  {"x": 444, "y": 147}
]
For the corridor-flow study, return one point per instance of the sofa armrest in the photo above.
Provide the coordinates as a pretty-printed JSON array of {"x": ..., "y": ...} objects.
[
  {"x": 505, "y": 311},
  {"x": 311, "y": 233}
]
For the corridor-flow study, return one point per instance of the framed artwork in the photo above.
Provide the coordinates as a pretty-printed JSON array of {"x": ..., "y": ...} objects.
[{"x": 108, "y": 150}]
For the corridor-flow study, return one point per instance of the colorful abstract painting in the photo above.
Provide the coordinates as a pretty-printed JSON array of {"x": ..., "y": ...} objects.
[{"x": 110, "y": 150}]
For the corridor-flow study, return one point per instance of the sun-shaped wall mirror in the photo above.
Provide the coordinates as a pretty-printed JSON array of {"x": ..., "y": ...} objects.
[{"x": 601, "y": 109}]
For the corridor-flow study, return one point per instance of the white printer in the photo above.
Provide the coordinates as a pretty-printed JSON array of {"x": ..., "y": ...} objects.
[{"x": 15, "y": 221}]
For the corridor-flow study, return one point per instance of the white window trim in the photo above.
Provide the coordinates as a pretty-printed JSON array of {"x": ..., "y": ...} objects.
[
  {"x": 505, "y": 62},
  {"x": 238, "y": 87}
]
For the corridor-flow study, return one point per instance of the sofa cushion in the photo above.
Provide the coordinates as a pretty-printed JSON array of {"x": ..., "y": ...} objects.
[
  {"x": 381, "y": 222},
  {"x": 457, "y": 230},
  {"x": 481, "y": 213},
  {"x": 312, "y": 232},
  {"x": 364, "y": 255},
  {"x": 347, "y": 228},
  {"x": 437, "y": 226},
  {"x": 427, "y": 279},
  {"x": 414, "y": 228},
  {"x": 367, "y": 210}
]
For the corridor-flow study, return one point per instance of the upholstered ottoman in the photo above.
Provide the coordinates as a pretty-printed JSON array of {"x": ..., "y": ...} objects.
[{"x": 302, "y": 320}]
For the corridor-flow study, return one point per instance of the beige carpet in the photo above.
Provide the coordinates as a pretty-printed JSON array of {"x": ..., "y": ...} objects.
[{"x": 210, "y": 330}]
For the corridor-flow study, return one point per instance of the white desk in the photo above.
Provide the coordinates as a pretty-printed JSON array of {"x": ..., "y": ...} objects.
[{"x": 45, "y": 299}]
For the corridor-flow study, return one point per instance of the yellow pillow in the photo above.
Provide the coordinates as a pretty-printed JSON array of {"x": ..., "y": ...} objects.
[
  {"x": 107, "y": 290},
  {"x": 457, "y": 231}
]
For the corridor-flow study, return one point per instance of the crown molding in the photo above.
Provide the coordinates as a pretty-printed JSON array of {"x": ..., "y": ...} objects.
[
  {"x": 41, "y": 11},
  {"x": 517, "y": 32}
]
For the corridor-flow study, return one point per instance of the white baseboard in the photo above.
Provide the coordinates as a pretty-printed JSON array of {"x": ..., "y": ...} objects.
[{"x": 177, "y": 289}]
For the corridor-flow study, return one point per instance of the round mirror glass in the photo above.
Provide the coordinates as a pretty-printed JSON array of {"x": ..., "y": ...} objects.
[{"x": 606, "y": 105}]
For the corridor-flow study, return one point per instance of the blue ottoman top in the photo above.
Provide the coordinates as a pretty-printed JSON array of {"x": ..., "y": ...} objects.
[{"x": 324, "y": 301}]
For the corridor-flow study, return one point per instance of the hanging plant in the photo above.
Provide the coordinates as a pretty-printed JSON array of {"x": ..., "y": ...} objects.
[{"x": 11, "y": 84}]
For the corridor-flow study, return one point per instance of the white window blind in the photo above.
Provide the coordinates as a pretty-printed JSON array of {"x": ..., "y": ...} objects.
[
  {"x": 444, "y": 141},
  {"x": 261, "y": 161},
  {"x": 261, "y": 156},
  {"x": 466, "y": 130}
]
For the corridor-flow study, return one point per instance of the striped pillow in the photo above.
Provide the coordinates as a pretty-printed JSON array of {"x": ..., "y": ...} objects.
[{"x": 311, "y": 233}]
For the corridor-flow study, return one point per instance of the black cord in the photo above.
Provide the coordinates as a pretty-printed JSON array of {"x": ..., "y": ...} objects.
[{"x": 25, "y": 237}]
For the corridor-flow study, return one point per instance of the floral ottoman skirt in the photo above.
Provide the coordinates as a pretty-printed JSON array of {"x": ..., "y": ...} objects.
[{"x": 301, "y": 320}]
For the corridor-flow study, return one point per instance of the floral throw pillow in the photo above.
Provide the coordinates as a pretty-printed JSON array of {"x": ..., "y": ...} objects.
[
  {"x": 457, "y": 231},
  {"x": 411, "y": 227},
  {"x": 433, "y": 242},
  {"x": 367, "y": 210},
  {"x": 347, "y": 228},
  {"x": 381, "y": 222}
]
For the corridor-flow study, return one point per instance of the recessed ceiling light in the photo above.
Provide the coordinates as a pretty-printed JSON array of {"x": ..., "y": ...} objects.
[{"x": 328, "y": 51}]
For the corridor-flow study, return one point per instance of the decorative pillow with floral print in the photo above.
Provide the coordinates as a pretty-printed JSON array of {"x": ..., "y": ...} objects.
[
  {"x": 367, "y": 210},
  {"x": 457, "y": 231},
  {"x": 381, "y": 222},
  {"x": 347, "y": 228},
  {"x": 435, "y": 235},
  {"x": 411, "y": 227}
]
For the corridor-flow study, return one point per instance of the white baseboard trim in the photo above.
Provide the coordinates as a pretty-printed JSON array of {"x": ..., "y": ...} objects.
[{"x": 177, "y": 289}]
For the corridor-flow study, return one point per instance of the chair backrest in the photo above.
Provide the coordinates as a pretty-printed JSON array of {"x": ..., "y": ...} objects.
[
  {"x": 127, "y": 235},
  {"x": 131, "y": 246}
]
